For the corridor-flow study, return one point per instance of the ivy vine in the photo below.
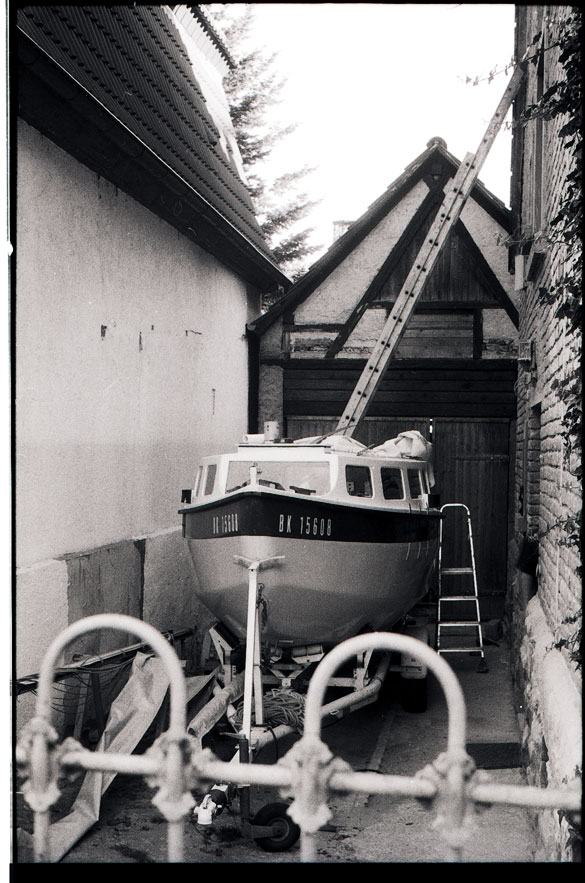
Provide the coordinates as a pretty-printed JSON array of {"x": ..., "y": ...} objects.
[{"x": 563, "y": 101}]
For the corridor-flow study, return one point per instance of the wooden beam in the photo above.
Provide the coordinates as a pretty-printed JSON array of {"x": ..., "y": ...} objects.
[
  {"x": 412, "y": 408},
  {"x": 315, "y": 326},
  {"x": 450, "y": 368},
  {"x": 423, "y": 213},
  {"x": 477, "y": 334},
  {"x": 486, "y": 274}
]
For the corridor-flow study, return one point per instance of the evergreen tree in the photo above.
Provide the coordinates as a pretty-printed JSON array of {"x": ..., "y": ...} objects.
[{"x": 253, "y": 90}]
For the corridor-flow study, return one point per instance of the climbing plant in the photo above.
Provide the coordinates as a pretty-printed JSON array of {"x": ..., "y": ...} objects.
[{"x": 563, "y": 100}]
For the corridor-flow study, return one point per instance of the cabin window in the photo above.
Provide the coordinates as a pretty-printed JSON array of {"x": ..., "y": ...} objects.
[
  {"x": 414, "y": 483},
  {"x": 392, "y": 483},
  {"x": 198, "y": 481},
  {"x": 302, "y": 477},
  {"x": 210, "y": 479},
  {"x": 358, "y": 481}
]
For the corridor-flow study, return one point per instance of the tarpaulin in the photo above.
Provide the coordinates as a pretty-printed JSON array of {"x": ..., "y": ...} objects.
[{"x": 131, "y": 714}]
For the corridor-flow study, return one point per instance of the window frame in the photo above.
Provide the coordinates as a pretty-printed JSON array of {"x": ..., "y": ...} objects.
[{"x": 369, "y": 481}]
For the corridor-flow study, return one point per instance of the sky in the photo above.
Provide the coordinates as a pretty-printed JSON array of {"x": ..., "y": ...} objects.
[{"x": 369, "y": 84}]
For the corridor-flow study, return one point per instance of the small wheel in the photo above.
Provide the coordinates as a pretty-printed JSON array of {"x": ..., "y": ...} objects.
[
  {"x": 414, "y": 694},
  {"x": 285, "y": 832}
]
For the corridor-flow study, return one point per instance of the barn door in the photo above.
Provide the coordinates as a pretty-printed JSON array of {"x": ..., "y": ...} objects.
[{"x": 472, "y": 460}]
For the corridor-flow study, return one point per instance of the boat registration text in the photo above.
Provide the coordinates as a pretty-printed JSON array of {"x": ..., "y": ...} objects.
[
  {"x": 307, "y": 525},
  {"x": 294, "y": 525}
]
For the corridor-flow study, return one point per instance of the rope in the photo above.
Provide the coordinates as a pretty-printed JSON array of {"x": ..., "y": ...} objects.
[{"x": 280, "y": 707}]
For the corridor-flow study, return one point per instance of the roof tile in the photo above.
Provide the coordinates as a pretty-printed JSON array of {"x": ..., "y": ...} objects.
[{"x": 131, "y": 59}]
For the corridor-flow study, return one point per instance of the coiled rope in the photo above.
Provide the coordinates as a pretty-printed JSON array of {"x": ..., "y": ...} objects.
[{"x": 280, "y": 707}]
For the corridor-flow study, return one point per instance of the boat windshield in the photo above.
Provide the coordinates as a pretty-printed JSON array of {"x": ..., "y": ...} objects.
[{"x": 301, "y": 477}]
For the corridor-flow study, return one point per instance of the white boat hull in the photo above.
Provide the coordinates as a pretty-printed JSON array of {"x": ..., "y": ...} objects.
[
  {"x": 357, "y": 553},
  {"x": 322, "y": 593}
]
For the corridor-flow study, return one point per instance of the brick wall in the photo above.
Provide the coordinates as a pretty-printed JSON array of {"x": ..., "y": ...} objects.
[{"x": 542, "y": 609}]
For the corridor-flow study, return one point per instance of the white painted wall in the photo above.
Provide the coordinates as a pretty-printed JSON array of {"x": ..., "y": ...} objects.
[
  {"x": 131, "y": 360},
  {"x": 490, "y": 237},
  {"x": 336, "y": 297}
]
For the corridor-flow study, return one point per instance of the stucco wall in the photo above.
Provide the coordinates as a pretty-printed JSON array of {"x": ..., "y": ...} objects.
[
  {"x": 131, "y": 359},
  {"x": 336, "y": 297},
  {"x": 131, "y": 363}
]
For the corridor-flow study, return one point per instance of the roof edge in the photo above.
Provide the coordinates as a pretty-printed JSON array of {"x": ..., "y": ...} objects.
[
  {"x": 249, "y": 250},
  {"x": 360, "y": 228},
  {"x": 218, "y": 42}
]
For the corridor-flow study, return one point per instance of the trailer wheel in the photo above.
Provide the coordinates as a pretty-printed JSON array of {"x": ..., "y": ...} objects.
[
  {"x": 414, "y": 694},
  {"x": 285, "y": 832},
  {"x": 414, "y": 676}
]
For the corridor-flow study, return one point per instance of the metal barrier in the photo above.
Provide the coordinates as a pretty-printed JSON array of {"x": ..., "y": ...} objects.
[
  {"x": 37, "y": 749},
  {"x": 308, "y": 772}
]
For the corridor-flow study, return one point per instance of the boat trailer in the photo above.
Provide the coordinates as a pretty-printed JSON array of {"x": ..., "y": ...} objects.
[
  {"x": 176, "y": 765},
  {"x": 252, "y": 729}
]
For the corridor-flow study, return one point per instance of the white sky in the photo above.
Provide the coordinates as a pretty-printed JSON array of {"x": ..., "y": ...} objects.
[{"x": 369, "y": 84}]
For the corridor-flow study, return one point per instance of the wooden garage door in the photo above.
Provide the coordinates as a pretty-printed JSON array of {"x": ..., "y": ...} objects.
[{"x": 472, "y": 466}]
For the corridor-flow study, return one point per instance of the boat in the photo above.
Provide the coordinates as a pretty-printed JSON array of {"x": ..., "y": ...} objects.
[{"x": 351, "y": 532}]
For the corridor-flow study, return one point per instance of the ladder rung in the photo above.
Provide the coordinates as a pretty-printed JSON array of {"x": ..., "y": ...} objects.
[
  {"x": 458, "y": 598},
  {"x": 460, "y": 650},
  {"x": 456, "y": 570},
  {"x": 453, "y": 622}
]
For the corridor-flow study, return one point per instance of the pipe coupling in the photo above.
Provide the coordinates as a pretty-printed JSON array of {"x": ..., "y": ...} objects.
[
  {"x": 38, "y": 764},
  {"x": 172, "y": 752},
  {"x": 312, "y": 765},
  {"x": 452, "y": 775}
]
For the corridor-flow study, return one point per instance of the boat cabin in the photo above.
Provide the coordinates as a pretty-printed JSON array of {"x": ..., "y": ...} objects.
[{"x": 315, "y": 469}]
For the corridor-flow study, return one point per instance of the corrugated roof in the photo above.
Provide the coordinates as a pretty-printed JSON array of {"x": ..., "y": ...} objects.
[{"x": 131, "y": 59}]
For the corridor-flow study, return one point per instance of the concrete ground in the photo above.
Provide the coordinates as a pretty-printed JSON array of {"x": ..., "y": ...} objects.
[{"x": 386, "y": 829}]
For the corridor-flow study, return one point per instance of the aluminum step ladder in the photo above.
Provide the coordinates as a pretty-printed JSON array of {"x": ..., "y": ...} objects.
[{"x": 466, "y": 628}]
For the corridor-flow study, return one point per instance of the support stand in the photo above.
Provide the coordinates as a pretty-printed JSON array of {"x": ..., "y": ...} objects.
[{"x": 253, "y": 673}]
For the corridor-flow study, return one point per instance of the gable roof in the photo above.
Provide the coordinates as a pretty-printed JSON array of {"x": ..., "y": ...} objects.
[
  {"x": 113, "y": 85},
  {"x": 435, "y": 163}
]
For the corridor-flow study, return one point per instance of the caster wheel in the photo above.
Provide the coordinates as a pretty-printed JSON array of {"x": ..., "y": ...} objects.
[
  {"x": 285, "y": 832},
  {"x": 414, "y": 694}
]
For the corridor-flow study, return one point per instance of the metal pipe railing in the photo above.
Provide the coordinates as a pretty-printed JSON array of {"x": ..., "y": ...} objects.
[
  {"x": 43, "y": 791},
  {"x": 315, "y": 696},
  {"x": 308, "y": 772}
]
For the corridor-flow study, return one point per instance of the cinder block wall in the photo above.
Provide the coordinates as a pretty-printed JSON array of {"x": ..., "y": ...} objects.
[{"x": 544, "y": 610}]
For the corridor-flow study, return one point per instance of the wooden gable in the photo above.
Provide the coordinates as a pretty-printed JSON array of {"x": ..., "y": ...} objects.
[
  {"x": 342, "y": 314},
  {"x": 332, "y": 317}
]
